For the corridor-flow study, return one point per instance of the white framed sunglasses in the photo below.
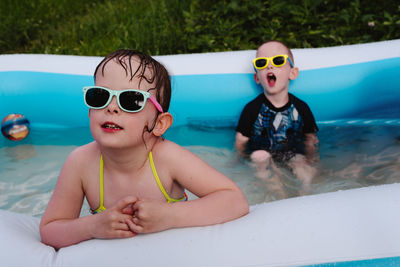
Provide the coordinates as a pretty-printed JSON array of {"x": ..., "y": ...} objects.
[{"x": 129, "y": 100}]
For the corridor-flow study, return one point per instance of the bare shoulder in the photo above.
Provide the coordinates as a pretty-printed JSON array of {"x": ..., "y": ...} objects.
[
  {"x": 190, "y": 171},
  {"x": 180, "y": 161},
  {"x": 80, "y": 160},
  {"x": 176, "y": 159},
  {"x": 66, "y": 201},
  {"x": 77, "y": 173},
  {"x": 84, "y": 152},
  {"x": 173, "y": 152}
]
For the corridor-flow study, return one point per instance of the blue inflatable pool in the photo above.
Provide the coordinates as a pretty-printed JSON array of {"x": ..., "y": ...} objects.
[{"x": 342, "y": 85}]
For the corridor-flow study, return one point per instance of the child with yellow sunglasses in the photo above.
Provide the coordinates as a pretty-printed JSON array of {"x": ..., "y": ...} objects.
[{"x": 277, "y": 126}]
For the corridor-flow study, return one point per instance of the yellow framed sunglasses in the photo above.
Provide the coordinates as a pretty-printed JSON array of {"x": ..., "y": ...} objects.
[{"x": 277, "y": 61}]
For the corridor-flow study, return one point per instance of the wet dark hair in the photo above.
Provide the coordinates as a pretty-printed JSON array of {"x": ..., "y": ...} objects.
[
  {"x": 158, "y": 73},
  {"x": 290, "y": 54}
]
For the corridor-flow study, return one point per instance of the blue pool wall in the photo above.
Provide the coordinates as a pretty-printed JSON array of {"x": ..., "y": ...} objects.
[
  {"x": 339, "y": 83},
  {"x": 349, "y": 91}
]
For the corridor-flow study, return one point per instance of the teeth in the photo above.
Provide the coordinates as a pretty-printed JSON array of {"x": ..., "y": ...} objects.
[{"x": 111, "y": 126}]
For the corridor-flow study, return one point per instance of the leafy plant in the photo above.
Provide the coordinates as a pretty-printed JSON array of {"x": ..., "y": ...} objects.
[{"x": 187, "y": 26}]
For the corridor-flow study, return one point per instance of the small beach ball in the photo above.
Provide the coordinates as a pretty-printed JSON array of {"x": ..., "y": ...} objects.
[{"x": 15, "y": 127}]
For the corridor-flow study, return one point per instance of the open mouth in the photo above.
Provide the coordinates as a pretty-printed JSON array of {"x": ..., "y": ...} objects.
[
  {"x": 271, "y": 78},
  {"x": 111, "y": 126}
]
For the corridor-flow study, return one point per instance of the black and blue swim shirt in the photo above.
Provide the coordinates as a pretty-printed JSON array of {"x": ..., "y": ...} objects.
[{"x": 279, "y": 131}]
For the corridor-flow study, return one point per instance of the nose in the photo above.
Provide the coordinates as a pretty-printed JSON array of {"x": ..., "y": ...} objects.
[{"x": 113, "y": 106}]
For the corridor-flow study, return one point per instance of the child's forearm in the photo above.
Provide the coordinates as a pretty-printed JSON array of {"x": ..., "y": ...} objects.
[
  {"x": 63, "y": 233},
  {"x": 310, "y": 153},
  {"x": 58, "y": 232},
  {"x": 311, "y": 147},
  {"x": 220, "y": 206},
  {"x": 240, "y": 143},
  {"x": 217, "y": 207}
]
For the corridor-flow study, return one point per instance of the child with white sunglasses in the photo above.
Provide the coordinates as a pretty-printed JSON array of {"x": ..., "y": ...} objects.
[
  {"x": 277, "y": 127},
  {"x": 133, "y": 179}
]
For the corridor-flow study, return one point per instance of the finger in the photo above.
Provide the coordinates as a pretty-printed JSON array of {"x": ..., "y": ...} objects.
[
  {"x": 134, "y": 227},
  {"x": 122, "y": 226},
  {"x": 124, "y": 234},
  {"x": 137, "y": 205},
  {"x": 136, "y": 220},
  {"x": 126, "y": 217},
  {"x": 123, "y": 203}
]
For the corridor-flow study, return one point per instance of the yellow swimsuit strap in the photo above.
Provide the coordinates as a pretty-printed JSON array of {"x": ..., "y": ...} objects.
[
  {"x": 153, "y": 168},
  {"x": 101, "y": 206}
]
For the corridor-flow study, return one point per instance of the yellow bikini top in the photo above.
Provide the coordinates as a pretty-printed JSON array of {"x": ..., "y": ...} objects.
[{"x": 153, "y": 168}]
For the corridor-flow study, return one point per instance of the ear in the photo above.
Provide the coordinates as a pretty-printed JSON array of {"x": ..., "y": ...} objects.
[
  {"x": 294, "y": 72},
  {"x": 256, "y": 78},
  {"x": 164, "y": 121}
]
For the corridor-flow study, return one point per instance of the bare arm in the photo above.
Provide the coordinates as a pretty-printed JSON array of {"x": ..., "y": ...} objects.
[
  {"x": 311, "y": 147},
  {"x": 61, "y": 226},
  {"x": 240, "y": 143},
  {"x": 220, "y": 200}
]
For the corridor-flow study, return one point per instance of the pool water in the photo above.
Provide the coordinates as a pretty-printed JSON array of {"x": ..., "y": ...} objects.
[{"x": 352, "y": 155}]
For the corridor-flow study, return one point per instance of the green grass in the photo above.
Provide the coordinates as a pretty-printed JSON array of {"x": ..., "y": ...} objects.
[{"x": 160, "y": 27}]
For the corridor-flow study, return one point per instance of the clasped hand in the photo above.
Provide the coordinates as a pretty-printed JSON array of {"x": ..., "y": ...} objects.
[{"x": 131, "y": 216}]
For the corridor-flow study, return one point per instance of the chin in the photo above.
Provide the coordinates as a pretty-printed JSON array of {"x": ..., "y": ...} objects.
[
  {"x": 108, "y": 141},
  {"x": 275, "y": 90}
]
